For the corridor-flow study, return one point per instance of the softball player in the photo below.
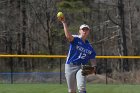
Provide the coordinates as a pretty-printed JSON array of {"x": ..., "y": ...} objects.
[{"x": 80, "y": 52}]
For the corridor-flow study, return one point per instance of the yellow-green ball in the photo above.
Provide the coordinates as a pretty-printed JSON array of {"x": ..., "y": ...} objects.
[{"x": 60, "y": 15}]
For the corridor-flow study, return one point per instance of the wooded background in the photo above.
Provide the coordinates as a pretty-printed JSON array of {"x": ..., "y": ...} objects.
[{"x": 31, "y": 27}]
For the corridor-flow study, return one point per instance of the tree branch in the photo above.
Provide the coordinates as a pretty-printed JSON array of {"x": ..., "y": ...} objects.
[{"x": 107, "y": 12}]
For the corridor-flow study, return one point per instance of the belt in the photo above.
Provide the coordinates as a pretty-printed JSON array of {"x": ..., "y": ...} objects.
[{"x": 77, "y": 64}]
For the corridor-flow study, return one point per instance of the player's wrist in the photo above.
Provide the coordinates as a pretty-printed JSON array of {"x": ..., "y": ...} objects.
[
  {"x": 64, "y": 22},
  {"x": 94, "y": 65}
]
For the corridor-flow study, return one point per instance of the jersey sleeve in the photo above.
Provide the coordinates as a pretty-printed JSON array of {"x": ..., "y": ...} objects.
[
  {"x": 75, "y": 40},
  {"x": 93, "y": 55}
]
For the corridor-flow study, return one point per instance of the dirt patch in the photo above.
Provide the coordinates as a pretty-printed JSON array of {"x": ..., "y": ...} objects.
[
  {"x": 116, "y": 78},
  {"x": 100, "y": 79}
]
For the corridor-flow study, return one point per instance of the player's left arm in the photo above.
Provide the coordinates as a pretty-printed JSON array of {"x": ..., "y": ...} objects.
[
  {"x": 93, "y": 62},
  {"x": 93, "y": 59},
  {"x": 94, "y": 65},
  {"x": 87, "y": 69}
]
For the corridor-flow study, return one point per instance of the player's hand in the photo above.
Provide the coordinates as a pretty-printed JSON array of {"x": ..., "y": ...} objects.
[
  {"x": 60, "y": 16},
  {"x": 62, "y": 20}
]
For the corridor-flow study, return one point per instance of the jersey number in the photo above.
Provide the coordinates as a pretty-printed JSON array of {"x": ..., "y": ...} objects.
[{"x": 82, "y": 55}]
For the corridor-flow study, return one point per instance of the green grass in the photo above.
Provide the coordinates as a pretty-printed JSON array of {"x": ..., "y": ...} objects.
[{"x": 57, "y": 88}]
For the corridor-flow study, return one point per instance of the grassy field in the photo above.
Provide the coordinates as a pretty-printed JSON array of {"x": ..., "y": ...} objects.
[{"x": 57, "y": 88}]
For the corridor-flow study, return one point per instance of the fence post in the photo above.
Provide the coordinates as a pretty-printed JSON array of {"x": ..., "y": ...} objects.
[
  {"x": 106, "y": 71},
  {"x": 60, "y": 72},
  {"x": 11, "y": 67}
]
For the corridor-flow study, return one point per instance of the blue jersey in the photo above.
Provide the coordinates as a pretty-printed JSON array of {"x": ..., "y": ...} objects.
[{"x": 80, "y": 52}]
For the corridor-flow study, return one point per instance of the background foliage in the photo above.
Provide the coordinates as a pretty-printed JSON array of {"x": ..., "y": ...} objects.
[{"x": 31, "y": 27}]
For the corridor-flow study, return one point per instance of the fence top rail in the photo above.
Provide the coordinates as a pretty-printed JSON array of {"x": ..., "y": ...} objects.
[{"x": 61, "y": 56}]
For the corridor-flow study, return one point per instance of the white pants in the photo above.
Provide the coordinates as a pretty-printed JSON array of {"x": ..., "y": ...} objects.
[{"x": 73, "y": 76}]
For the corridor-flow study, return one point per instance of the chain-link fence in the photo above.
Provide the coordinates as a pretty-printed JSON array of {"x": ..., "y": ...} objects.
[
  {"x": 32, "y": 77},
  {"x": 110, "y": 70}
]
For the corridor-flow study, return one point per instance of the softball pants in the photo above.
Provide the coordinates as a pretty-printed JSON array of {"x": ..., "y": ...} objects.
[{"x": 75, "y": 79}]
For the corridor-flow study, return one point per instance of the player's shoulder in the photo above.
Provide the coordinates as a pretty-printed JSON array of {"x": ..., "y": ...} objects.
[{"x": 76, "y": 38}]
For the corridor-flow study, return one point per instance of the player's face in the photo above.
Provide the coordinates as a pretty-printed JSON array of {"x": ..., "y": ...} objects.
[{"x": 84, "y": 32}]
